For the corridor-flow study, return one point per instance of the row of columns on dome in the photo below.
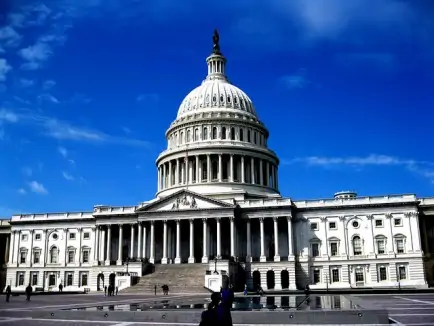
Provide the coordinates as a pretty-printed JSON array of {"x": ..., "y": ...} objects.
[
  {"x": 223, "y": 168},
  {"x": 208, "y": 243}
]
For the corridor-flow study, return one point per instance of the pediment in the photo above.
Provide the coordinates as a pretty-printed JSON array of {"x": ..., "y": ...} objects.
[{"x": 185, "y": 200}]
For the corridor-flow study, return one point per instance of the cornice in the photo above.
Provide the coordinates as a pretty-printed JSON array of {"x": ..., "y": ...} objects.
[{"x": 345, "y": 207}]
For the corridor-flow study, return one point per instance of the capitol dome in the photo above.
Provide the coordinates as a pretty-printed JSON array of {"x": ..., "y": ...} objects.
[{"x": 217, "y": 146}]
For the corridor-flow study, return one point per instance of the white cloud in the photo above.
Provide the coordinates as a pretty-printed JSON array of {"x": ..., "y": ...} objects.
[
  {"x": 24, "y": 82},
  {"x": 4, "y": 69},
  {"x": 63, "y": 151},
  {"x": 48, "y": 84},
  {"x": 2, "y": 134},
  {"x": 22, "y": 191},
  {"x": 423, "y": 168},
  {"x": 294, "y": 81},
  {"x": 37, "y": 187},
  {"x": 35, "y": 55},
  {"x": 148, "y": 97},
  {"x": 8, "y": 116},
  {"x": 49, "y": 98},
  {"x": 67, "y": 176},
  {"x": 9, "y": 37}
]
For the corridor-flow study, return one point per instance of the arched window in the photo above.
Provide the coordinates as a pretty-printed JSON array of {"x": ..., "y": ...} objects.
[
  {"x": 380, "y": 244},
  {"x": 254, "y": 137},
  {"x": 205, "y": 133},
  {"x": 181, "y": 138},
  {"x": 223, "y": 132},
  {"x": 248, "y": 136},
  {"x": 54, "y": 254},
  {"x": 400, "y": 243},
  {"x": 241, "y": 134},
  {"x": 196, "y": 134},
  {"x": 232, "y": 133},
  {"x": 357, "y": 246},
  {"x": 188, "y": 136},
  {"x": 214, "y": 133}
]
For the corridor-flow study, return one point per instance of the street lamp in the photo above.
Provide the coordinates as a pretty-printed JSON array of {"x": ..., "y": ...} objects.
[
  {"x": 215, "y": 265},
  {"x": 127, "y": 261}
]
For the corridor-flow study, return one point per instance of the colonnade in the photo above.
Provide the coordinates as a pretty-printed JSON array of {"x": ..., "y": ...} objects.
[{"x": 217, "y": 168}]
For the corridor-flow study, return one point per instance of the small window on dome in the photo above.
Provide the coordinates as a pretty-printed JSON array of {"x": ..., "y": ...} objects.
[
  {"x": 232, "y": 133},
  {"x": 235, "y": 100},
  {"x": 248, "y": 136},
  {"x": 221, "y": 98},
  {"x": 214, "y": 98},
  {"x": 223, "y": 132},
  {"x": 205, "y": 133},
  {"x": 241, "y": 134},
  {"x": 214, "y": 133},
  {"x": 229, "y": 99}
]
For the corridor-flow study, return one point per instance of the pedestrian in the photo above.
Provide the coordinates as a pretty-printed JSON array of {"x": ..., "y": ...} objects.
[
  {"x": 245, "y": 289},
  {"x": 209, "y": 317},
  {"x": 224, "y": 309},
  {"x": 167, "y": 289},
  {"x": 155, "y": 289},
  {"x": 60, "y": 287},
  {"x": 28, "y": 292},
  {"x": 117, "y": 290},
  {"x": 105, "y": 290},
  {"x": 8, "y": 293}
]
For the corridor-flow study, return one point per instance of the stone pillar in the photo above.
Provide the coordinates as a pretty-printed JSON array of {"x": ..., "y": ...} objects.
[
  {"x": 178, "y": 242},
  {"x": 96, "y": 244},
  {"x": 249, "y": 241},
  {"x": 267, "y": 174},
  {"x": 101, "y": 244},
  {"x": 190, "y": 171},
  {"x": 31, "y": 248},
  {"x": 7, "y": 249},
  {"x": 208, "y": 168},
  {"x": 164, "y": 176},
  {"x": 242, "y": 169},
  {"x": 200, "y": 170},
  {"x": 191, "y": 259},
  {"x": 273, "y": 180},
  {"x": 170, "y": 173},
  {"x": 231, "y": 168},
  {"x": 121, "y": 241},
  {"x": 164, "y": 259},
  {"x": 182, "y": 172},
  {"x": 139, "y": 241},
  {"x": 197, "y": 169},
  {"x": 261, "y": 227},
  {"x": 12, "y": 247},
  {"x": 80, "y": 246},
  {"x": 261, "y": 172},
  {"x": 144, "y": 242},
  {"x": 159, "y": 179},
  {"x": 109, "y": 241},
  {"x": 232, "y": 236},
  {"x": 177, "y": 173},
  {"x": 65, "y": 232},
  {"x": 290, "y": 250},
  {"x": 205, "y": 242},
  {"x": 132, "y": 242},
  {"x": 218, "y": 239},
  {"x": 276, "y": 239},
  {"x": 252, "y": 170},
  {"x": 220, "y": 172},
  {"x": 152, "y": 244}
]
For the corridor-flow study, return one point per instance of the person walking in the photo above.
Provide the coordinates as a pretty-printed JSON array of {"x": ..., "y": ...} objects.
[
  {"x": 105, "y": 290},
  {"x": 28, "y": 292},
  {"x": 8, "y": 293},
  {"x": 60, "y": 287},
  {"x": 117, "y": 290}
]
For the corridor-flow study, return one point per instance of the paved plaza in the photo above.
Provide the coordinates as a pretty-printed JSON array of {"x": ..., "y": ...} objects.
[{"x": 417, "y": 309}]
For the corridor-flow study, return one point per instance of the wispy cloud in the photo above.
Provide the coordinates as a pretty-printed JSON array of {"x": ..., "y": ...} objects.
[
  {"x": 24, "y": 82},
  {"x": 9, "y": 37},
  {"x": 22, "y": 191},
  {"x": 67, "y": 176},
  {"x": 48, "y": 98},
  {"x": 27, "y": 171},
  {"x": 4, "y": 69},
  {"x": 8, "y": 116},
  {"x": 37, "y": 187},
  {"x": 63, "y": 151},
  {"x": 48, "y": 84},
  {"x": 423, "y": 168},
  {"x": 295, "y": 81},
  {"x": 35, "y": 55}
]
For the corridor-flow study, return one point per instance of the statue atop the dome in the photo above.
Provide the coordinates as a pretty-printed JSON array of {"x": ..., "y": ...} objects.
[{"x": 216, "y": 39}]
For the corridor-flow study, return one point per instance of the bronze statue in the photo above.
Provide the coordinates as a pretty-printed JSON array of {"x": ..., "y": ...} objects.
[{"x": 216, "y": 39}]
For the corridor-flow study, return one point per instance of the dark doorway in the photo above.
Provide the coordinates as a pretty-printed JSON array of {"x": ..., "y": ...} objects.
[
  {"x": 100, "y": 282},
  {"x": 270, "y": 280},
  {"x": 225, "y": 282},
  {"x": 112, "y": 278},
  {"x": 256, "y": 279},
  {"x": 284, "y": 279}
]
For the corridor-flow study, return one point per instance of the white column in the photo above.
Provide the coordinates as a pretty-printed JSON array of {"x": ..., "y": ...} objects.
[
  {"x": 144, "y": 242},
  {"x": 249, "y": 241},
  {"x": 276, "y": 239},
  {"x": 101, "y": 243},
  {"x": 178, "y": 242},
  {"x": 200, "y": 171},
  {"x": 12, "y": 247},
  {"x": 205, "y": 242},
  {"x": 197, "y": 169},
  {"x": 208, "y": 168},
  {"x": 231, "y": 168},
  {"x": 261, "y": 172},
  {"x": 80, "y": 252},
  {"x": 290, "y": 250},
  {"x": 96, "y": 251},
  {"x": 7, "y": 249},
  {"x": 220, "y": 174},
  {"x": 191, "y": 259},
  {"x": 31, "y": 247},
  {"x": 159, "y": 179},
  {"x": 170, "y": 173},
  {"x": 232, "y": 237},
  {"x": 242, "y": 169},
  {"x": 152, "y": 245},
  {"x": 177, "y": 172},
  {"x": 261, "y": 227},
  {"x": 218, "y": 239},
  {"x": 132, "y": 242},
  {"x": 164, "y": 259},
  {"x": 252, "y": 170},
  {"x": 109, "y": 241},
  {"x": 139, "y": 241},
  {"x": 190, "y": 171},
  {"x": 121, "y": 241},
  {"x": 164, "y": 176}
]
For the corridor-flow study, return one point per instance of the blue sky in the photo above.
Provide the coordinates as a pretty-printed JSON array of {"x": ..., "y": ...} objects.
[{"x": 88, "y": 88}]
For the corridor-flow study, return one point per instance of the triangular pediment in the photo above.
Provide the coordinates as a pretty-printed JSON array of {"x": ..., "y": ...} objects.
[{"x": 185, "y": 200}]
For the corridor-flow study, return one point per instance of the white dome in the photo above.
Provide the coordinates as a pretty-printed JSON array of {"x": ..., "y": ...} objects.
[{"x": 215, "y": 94}]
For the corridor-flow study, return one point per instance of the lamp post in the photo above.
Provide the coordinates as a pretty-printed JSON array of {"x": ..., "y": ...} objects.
[
  {"x": 127, "y": 261},
  {"x": 215, "y": 265}
]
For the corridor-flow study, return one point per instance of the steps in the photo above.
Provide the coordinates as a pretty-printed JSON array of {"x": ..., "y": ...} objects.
[{"x": 181, "y": 278}]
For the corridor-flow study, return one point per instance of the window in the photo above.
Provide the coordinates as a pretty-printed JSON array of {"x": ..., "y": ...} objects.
[
  {"x": 316, "y": 276},
  {"x": 335, "y": 275},
  {"x": 248, "y": 135},
  {"x": 71, "y": 255},
  {"x": 37, "y": 236},
  {"x": 360, "y": 277},
  {"x": 254, "y": 137},
  {"x": 333, "y": 248},
  {"x": 34, "y": 279},
  {"x": 181, "y": 137},
  {"x": 20, "y": 279},
  {"x": 232, "y": 133},
  {"x": 86, "y": 256},
  {"x": 52, "y": 280},
  {"x": 397, "y": 222},
  {"x": 223, "y": 132},
  {"x": 72, "y": 236},
  {"x": 355, "y": 224},
  {"x": 53, "y": 255},
  {"x": 400, "y": 246},
  {"x": 382, "y": 273},
  {"x": 332, "y": 225},
  {"x": 357, "y": 246},
  {"x": 378, "y": 223},
  {"x": 188, "y": 136},
  {"x": 241, "y": 134},
  {"x": 381, "y": 246},
  {"x": 55, "y": 236},
  {"x": 24, "y": 237},
  {"x": 314, "y": 226},
  {"x": 83, "y": 279},
  {"x": 196, "y": 134},
  {"x": 205, "y": 133},
  {"x": 69, "y": 279},
  {"x": 214, "y": 133},
  {"x": 36, "y": 257},
  {"x": 314, "y": 248},
  {"x": 23, "y": 256},
  {"x": 402, "y": 273},
  {"x": 86, "y": 235}
]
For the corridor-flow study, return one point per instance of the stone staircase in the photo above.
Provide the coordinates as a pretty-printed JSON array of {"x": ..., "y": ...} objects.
[{"x": 181, "y": 278}]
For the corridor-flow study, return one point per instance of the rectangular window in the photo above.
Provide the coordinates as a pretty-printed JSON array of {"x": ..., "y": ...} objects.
[
  {"x": 402, "y": 273},
  {"x": 381, "y": 247},
  {"x": 86, "y": 235},
  {"x": 316, "y": 276},
  {"x": 37, "y": 236},
  {"x": 359, "y": 275},
  {"x": 35, "y": 279},
  {"x": 70, "y": 256},
  {"x": 357, "y": 246},
  {"x": 314, "y": 226},
  {"x": 332, "y": 226},
  {"x": 52, "y": 280},
  {"x": 72, "y": 236},
  {"x": 20, "y": 279},
  {"x": 382, "y": 273},
  {"x": 378, "y": 223},
  {"x": 24, "y": 237},
  {"x": 315, "y": 249},
  {"x": 333, "y": 249},
  {"x": 36, "y": 257},
  {"x": 400, "y": 246},
  {"x": 69, "y": 279},
  {"x": 397, "y": 222},
  {"x": 23, "y": 255},
  {"x": 83, "y": 279},
  {"x": 335, "y": 275},
  {"x": 85, "y": 256}
]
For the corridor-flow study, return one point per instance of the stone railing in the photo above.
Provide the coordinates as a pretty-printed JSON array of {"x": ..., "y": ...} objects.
[
  {"x": 45, "y": 216},
  {"x": 103, "y": 210},
  {"x": 265, "y": 202}
]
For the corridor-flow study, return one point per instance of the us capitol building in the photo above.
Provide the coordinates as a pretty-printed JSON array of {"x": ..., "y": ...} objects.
[{"x": 218, "y": 204}]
